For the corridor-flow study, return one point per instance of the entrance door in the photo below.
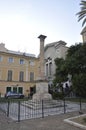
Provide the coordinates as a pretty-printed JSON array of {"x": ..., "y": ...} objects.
[{"x": 32, "y": 90}]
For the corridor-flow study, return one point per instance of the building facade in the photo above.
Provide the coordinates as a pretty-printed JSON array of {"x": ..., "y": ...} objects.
[
  {"x": 18, "y": 71},
  {"x": 51, "y": 52},
  {"x": 83, "y": 33}
]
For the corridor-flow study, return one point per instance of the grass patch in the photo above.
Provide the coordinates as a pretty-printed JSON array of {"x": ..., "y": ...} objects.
[
  {"x": 84, "y": 119},
  {"x": 76, "y": 99}
]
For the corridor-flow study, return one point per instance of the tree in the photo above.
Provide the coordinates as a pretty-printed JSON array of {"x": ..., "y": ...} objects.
[
  {"x": 76, "y": 59},
  {"x": 82, "y": 13},
  {"x": 60, "y": 77},
  {"x": 75, "y": 65},
  {"x": 60, "y": 70},
  {"x": 79, "y": 84}
]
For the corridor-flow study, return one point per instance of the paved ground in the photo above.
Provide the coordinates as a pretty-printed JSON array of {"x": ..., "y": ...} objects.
[{"x": 47, "y": 123}]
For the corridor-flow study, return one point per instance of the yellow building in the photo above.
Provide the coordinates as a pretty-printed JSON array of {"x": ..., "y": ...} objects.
[{"x": 18, "y": 71}]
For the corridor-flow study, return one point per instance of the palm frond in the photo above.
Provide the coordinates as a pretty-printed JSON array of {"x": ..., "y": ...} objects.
[
  {"x": 83, "y": 3},
  {"x": 84, "y": 21},
  {"x": 82, "y": 13}
]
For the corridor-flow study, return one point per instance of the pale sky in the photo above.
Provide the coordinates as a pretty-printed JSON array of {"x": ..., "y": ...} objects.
[{"x": 22, "y": 21}]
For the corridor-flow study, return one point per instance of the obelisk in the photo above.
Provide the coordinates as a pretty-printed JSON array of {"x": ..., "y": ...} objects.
[
  {"x": 42, "y": 85},
  {"x": 42, "y": 39}
]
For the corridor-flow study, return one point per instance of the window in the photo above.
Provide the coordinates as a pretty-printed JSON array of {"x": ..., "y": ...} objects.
[
  {"x": 31, "y": 62},
  {"x": 10, "y": 60},
  {"x": 21, "y": 61},
  {"x": 46, "y": 69},
  {"x": 20, "y": 90},
  {"x": 9, "y": 75},
  {"x": 58, "y": 53},
  {"x": 8, "y": 89},
  {"x": 21, "y": 76},
  {"x": 0, "y": 58},
  {"x": 31, "y": 76},
  {"x": 15, "y": 89},
  {"x": 50, "y": 68}
]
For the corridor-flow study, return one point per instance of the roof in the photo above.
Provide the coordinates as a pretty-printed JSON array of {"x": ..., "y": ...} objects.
[
  {"x": 56, "y": 44},
  {"x": 20, "y": 53},
  {"x": 3, "y": 49}
]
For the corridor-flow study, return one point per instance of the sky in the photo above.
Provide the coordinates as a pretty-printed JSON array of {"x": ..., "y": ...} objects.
[{"x": 22, "y": 21}]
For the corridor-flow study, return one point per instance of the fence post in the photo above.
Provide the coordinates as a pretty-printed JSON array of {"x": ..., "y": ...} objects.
[
  {"x": 42, "y": 109},
  {"x": 8, "y": 108},
  {"x": 80, "y": 104},
  {"x": 18, "y": 111},
  {"x": 64, "y": 106}
]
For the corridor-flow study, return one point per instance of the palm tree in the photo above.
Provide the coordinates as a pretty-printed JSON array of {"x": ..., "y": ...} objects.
[{"x": 82, "y": 13}]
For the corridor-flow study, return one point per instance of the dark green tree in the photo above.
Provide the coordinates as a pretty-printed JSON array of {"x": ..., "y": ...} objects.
[
  {"x": 76, "y": 59},
  {"x": 60, "y": 70},
  {"x": 79, "y": 84},
  {"x": 74, "y": 64},
  {"x": 60, "y": 76}
]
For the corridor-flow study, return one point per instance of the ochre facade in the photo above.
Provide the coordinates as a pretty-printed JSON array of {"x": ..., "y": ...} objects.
[{"x": 18, "y": 71}]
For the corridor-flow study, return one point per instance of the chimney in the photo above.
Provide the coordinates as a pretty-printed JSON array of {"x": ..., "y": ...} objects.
[
  {"x": 42, "y": 39},
  {"x": 2, "y": 47}
]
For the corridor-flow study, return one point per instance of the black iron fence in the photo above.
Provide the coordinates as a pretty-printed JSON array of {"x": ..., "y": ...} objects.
[{"x": 21, "y": 110}]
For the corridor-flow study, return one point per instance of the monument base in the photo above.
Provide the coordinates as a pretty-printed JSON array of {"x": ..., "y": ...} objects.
[
  {"x": 42, "y": 96},
  {"x": 42, "y": 92}
]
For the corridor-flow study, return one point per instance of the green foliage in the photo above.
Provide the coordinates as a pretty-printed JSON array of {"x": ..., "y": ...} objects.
[
  {"x": 61, "y": 74},
  {"x": 58, "y": 95},
  {"x": 82, "y": 13},
  {"x": 79, "y": 84},
  {"x": 72, "y": 50},
  {"x": 84, "y": 119},
  {"x": 76, "y": 61},
  {"x": 74, "y": 64}
]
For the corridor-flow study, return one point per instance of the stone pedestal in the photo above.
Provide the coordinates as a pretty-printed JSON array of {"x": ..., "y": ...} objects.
[{"x": 42, "y": 92}]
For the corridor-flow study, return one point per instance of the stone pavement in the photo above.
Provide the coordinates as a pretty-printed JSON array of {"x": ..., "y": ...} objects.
[{"x": 48, "y": 123}]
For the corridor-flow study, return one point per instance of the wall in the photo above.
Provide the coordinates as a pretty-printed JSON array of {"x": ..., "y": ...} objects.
[{"x": 31, "y": 64}]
